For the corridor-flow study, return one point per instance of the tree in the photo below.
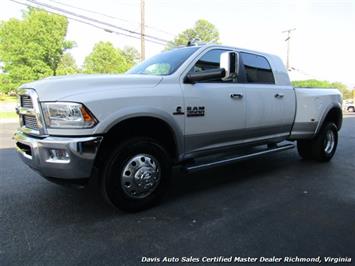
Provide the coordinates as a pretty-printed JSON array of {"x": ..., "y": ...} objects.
[
  {"x": 67, "y": 65},
  {"x": 202, "y": 30},
  {"x": 132, "y": 55},
  {"x": 31, "y": 48},
  {"x": 105, "y": 58},
  {"x": 313, "y": 83}
]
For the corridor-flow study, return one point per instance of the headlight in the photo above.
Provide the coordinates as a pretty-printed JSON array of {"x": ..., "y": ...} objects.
[{"x": 67, "y": 115}]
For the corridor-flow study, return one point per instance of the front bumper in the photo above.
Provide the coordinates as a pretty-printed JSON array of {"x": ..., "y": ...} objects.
[{"x": 38, "y": 154}]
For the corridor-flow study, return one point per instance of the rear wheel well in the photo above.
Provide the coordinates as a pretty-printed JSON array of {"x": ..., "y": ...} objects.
[
  {"x": 150, "y": 127},
  {"x": 335, "y": 116}
]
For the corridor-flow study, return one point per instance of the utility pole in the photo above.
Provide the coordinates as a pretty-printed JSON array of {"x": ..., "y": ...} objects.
[
  {"x": 142, "y": 30},
  {"x": 288, "y": 40}
]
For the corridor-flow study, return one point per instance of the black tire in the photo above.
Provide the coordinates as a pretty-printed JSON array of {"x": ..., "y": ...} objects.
[
  {"x": 351, "y": 109},
  {"x": 304, "y": 148},
  {"x": 321, "y": 142},
  {"x": 113, "y": 184}
]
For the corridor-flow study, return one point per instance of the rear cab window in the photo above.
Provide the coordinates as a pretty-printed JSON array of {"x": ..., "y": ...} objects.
[{"x": 257, "y": 69}]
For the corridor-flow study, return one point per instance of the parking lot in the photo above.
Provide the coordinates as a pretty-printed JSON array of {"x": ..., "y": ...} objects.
[{"x": 277, "y": 205}]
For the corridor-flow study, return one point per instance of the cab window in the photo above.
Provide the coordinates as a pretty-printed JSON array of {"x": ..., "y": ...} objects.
[
  {"x": 210, "y": 60},
  {"x": 257, "y": 69}
]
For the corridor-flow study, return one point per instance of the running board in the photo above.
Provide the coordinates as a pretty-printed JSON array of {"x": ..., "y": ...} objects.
[{"x": 205, "y": 165}]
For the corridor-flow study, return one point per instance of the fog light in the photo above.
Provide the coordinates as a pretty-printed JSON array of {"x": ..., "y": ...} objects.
[{"x": 58, "y": 156}]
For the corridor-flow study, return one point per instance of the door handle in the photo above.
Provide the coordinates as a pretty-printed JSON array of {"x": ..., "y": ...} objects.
[
  {"x": 236, "y": 96},
  {"x": 279, "y": 95}
]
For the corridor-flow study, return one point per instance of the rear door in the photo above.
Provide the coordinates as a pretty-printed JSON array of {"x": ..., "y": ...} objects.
[{"x": 270, "y": 108}]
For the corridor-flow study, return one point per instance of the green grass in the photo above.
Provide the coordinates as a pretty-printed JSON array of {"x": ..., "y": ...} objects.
[
  {"x": 8, "y": 115},
  {"x": 9, "y": 99}
]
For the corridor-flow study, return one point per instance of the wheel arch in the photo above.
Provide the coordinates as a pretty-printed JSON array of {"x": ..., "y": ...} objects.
[
  {"x": 143, "y": 125},
  {"x": 333, "y": 114}
]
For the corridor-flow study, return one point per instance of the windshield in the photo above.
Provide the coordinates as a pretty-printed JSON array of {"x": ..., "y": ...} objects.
[{"x": 165, "y": 63}]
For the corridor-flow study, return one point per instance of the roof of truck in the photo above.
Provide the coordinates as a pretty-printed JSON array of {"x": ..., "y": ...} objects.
[{"x": 278, "y": 68}]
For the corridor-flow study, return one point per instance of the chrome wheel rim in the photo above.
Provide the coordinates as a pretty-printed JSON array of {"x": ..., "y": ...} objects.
[
  {"x": 140, "y": 176},
  {"x": 329, "y": 141}
]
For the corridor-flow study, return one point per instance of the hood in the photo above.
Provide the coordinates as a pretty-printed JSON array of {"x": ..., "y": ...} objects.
[{"x": 59, "y": 87}]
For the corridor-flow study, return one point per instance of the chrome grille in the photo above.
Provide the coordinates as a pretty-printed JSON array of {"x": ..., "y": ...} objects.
[
  {"x": 30, "y": 122},
  {"x": 31, "y": 119},
  {"x": 26, "y": 101}
]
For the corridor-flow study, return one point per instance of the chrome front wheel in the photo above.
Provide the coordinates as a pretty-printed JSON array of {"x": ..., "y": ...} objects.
[
  {"x": 136, "y": 174},
  {"x": 140, "y": 176}
]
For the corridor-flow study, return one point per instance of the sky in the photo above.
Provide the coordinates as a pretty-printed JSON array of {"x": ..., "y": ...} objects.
[{"x": 322, "y": 46}]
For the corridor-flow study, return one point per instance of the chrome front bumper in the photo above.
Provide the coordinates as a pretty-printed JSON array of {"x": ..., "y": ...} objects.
[{"x": 38, "y": 154}]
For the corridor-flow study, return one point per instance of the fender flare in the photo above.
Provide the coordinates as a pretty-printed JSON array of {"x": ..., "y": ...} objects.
[
  {"x": 136, "y": 112},
  {"x": 326, "y": 113}
]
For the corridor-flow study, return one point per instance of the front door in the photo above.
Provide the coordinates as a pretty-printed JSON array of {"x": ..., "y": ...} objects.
[{"x": 215, "y": 110}]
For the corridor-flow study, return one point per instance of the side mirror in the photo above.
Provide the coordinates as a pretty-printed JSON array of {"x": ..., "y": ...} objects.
[
  {"x": 230, "y": 62},
  {"x": 205, "y": 75}
]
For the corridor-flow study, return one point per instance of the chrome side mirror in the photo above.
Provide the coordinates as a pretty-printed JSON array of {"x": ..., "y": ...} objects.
[{"x": 229, "y": 61}]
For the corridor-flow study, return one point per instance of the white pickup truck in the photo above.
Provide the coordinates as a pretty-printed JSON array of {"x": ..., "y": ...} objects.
[{"x": 194, "y": 107}]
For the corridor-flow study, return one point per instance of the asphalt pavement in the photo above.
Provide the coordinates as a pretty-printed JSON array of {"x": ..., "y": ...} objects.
[{"x": 277, "y": 205}]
